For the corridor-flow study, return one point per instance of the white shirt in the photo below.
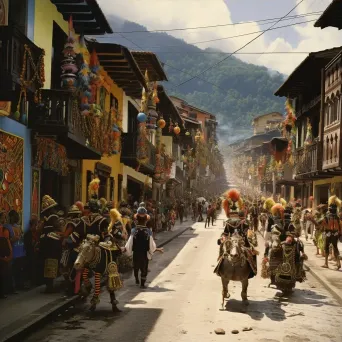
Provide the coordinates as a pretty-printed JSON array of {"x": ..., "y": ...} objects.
[{"x": 129, "y": 247}]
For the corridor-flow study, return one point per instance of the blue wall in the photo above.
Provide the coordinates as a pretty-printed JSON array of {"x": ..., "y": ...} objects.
[{"x": 13, "y": 127}]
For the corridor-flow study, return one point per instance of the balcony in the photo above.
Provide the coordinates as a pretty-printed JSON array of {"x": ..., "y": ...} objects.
[
  {"x": 332, "y": 147},
  {"x": 56, "y": 119},
  {"x": 308, "y": 161},
  {"x": 12, "y": 50},
  {"x": 129, "y": 154}
]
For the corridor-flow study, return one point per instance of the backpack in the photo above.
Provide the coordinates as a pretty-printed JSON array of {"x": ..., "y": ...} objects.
[{"x": 5, "y": 249}]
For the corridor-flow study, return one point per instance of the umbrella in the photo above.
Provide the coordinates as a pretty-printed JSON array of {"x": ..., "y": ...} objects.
[{"x": 201, "y": 199}]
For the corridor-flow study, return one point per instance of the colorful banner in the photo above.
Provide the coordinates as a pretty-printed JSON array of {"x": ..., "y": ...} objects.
[{"x": 11, "y": 172}]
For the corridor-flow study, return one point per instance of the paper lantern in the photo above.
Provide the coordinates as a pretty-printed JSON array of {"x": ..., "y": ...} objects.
[
  {"x": 176, "y": 130},
  {"x": 161, "y": 123},
  {"x": 187, "y": 133},
  {"x": 142, "y": 117}
]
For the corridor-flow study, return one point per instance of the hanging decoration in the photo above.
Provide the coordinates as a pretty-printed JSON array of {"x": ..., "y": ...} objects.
[
  {"x": 69, "y": 67},
  {"x": 161, "y": 123},
  {"x": 51, "y": 156},
  {"x": 158, "y": 170},
  {"x": 142, "y": 117},
  {"x": 84, "y": 88},
  {"x": 37, "y": 80},
  {"x": 308, "y": 139},
  {"x": 176, "y": 129}
]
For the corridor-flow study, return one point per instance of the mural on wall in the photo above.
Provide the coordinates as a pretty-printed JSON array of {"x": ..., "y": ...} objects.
[
  {"x": 11, "y": 172},
  {"x": 3, "y": 12},
  {"x": 5, "y": 106},
  {"x": 35, "y": 196}
]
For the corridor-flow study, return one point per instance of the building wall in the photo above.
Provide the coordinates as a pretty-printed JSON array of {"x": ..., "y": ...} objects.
[
  {"x": 45, "y": 14},
  {"x": 323, "y": 186},
  {"x": 167, "y": 141},
  {"x": 112, "y": 161},
  {"x": 261, "y": 122},
  {"x": 13, "y": 127}
]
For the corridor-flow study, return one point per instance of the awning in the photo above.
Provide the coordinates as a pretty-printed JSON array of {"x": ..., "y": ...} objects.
[
  {"x": 120, "y": 65},
  {"x": 193, "y": 121},
  {"x": 87, "y": 16},
  {"x": 150, "y": 62},
  {"x": 332, "y": 16}
]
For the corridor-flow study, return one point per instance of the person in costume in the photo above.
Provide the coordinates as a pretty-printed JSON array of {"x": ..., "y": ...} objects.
[
  {"x": 254, "y": 213},
  {"x": 69, "y": 257},
  {"x": 142, "y": 246},
  {"x": 50, "y": 244},
  {"x": 296, "y": 218},
  {"x": 332, "y": 228},
  {"x": 319, "y": 235},
  {"x": 236, "y": 223},
  {"x": 268, "y": 204}
]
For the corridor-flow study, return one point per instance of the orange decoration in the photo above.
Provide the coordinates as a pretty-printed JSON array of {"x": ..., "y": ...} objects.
[
  {"x": 176, "y": 130},
  {"x": 161, "y": 123}
]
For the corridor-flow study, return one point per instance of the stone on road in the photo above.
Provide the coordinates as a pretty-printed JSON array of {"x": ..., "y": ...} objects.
[{"x": 183, "y": 301}]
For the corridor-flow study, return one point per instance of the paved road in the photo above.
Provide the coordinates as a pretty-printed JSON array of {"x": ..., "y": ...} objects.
[{"x": 182, "y": 304}]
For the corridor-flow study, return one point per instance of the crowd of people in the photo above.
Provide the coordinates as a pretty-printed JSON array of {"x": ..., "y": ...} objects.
[{"x": 49, "y": 246}]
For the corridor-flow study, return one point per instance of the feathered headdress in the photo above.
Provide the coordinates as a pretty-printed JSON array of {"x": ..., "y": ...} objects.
[
  {"x": 233, "y": 202},
  {"x": 334, "y": 200},
  {"x": 278, "y": 210},
  {"x": 283, "y": 202},
  {"x": 269, "y": 203},
  {"x": 93, "y": 188}
]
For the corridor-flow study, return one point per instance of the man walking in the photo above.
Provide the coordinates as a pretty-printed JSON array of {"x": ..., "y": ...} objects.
[{"x": 142, "y": 245}]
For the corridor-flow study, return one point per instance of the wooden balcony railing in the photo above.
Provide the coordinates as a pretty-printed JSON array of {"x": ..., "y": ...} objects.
[
  {"x": 55, "y": 117},
  {"x": 331, "y": 146},
  {"x": 129, "y": 153},
  {"x": 12, "y": 50},
  {"x": 308, "y": 160}
]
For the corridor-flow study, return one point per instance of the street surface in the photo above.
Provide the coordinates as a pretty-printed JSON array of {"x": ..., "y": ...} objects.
[{"x": 183, "y": 303}]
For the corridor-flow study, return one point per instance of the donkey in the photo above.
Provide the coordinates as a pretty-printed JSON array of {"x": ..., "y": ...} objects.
[
  {"x": 100, "y": 258},
  {"x": 234, "y": 264}
]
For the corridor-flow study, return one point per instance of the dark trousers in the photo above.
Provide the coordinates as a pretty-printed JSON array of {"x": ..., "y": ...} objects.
[
  {"x": 140, "y": 263},
  {"x": 207, "y": 221},
  {"x": 333, "y": 240},
  {"x": 181, "y": 217},
  {"x": 3, "y": 277}
]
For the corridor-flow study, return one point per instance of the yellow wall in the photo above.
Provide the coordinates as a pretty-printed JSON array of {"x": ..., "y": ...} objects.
[
  {"x": 336, "y": 179},
  {"x": 45, "y": 14},
  {"x": 259, "y": 124},
  {"x": 167, "y": 141},
  {"x": 89, "y": 165},
  {"x": 112, "y": 161}
]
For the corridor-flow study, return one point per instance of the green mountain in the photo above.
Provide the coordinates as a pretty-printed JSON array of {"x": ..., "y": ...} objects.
[{"x": 243, "y": 90}]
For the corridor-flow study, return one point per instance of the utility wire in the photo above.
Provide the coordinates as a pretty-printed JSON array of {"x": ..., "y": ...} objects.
[
  {"x": 239, "y": 49},
  {"x": 262, "y": 21},
  {"x": 239, "y": 53},
  {"x": 231, "y": 37}
]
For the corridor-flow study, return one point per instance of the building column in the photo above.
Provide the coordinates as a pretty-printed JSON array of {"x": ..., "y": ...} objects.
[{"x": 155, "y": 189}]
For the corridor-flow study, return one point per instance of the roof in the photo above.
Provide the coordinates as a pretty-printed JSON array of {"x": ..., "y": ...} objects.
[
  {"x": 262, "y": 115},
  {"x": 193, "y": 107},
  {"x": 87, "y": 16},
  {"x": 190, "y": 120},
  {"x": 120, "y": 65},
  {"x": 150, "y": 62},
  {"x": 307, "y": 75},
  {"x": 167, "y": 107},
  {"x": 332, "y": 16}
]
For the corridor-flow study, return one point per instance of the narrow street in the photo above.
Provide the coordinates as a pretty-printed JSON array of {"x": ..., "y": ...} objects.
[{"x": 183, "y": 303}]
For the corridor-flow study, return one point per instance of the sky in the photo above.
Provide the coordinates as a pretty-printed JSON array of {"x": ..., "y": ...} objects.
[{"x": 168, "y": 14}]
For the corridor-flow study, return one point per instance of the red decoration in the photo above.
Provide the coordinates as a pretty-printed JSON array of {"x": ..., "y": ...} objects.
[{"x": 233, "y": 195}]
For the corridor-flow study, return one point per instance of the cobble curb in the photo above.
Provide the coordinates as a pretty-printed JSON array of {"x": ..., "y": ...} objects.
[{"x": 42, "y": 318}]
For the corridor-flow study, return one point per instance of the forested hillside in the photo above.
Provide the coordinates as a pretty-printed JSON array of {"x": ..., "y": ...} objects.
[{"x": 243, "y": 90}]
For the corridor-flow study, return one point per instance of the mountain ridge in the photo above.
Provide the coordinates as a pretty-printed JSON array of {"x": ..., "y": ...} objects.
[{"x": 242, "y": 92}]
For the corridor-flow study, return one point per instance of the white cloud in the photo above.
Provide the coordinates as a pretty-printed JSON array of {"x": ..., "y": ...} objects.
[{"x": 166, "y": 14}]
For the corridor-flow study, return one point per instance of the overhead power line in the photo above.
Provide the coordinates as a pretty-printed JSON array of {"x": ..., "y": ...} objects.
[
  {"x": 239, "y": 53},
  {"x": 239, "y": 49},
  {"x": 231, "y": 37},
  {"x": 260, "y": 22}
]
